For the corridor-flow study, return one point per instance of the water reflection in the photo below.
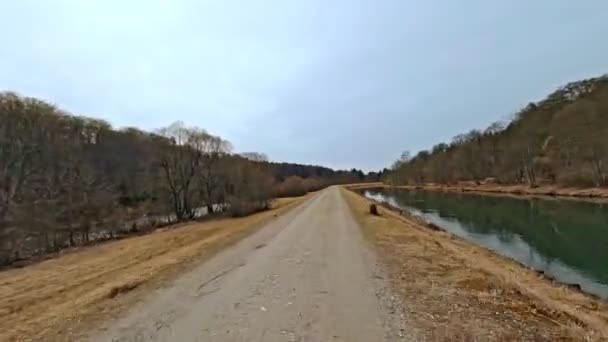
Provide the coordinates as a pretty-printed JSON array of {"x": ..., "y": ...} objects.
[{"x": 566, "y": 239}]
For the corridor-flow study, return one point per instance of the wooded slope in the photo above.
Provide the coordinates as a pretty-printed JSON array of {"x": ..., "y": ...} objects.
[{"x": 562, "y": 140}]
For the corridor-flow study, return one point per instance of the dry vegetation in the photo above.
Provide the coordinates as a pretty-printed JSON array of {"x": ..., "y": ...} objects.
[
  {"x": 593, "y": 194},
  {"x": 453, "y": 290},
  {"x": 69, "y": 180},
  {"x": 57, "y": 299}
]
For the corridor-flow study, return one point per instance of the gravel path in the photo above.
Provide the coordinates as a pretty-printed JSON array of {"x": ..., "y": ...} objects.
[{"x": 306, "y": 276}]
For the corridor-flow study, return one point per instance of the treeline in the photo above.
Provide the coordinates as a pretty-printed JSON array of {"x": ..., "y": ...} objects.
[
  {"x": 561, "y": 140},
  {"x": 67, "y": 180}
]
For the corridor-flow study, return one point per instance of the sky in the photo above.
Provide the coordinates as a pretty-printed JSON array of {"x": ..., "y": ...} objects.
[{"x": 340, "y": 83}]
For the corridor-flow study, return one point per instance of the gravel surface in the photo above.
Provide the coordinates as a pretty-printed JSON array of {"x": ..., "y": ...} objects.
[{"x": 306, "y": 276}]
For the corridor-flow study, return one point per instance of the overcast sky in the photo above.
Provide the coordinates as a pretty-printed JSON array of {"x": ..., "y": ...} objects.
[{"x": 342, "y": 83}]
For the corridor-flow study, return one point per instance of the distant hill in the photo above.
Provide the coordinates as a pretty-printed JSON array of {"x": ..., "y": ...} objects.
[{"x": 562, "y": 140}]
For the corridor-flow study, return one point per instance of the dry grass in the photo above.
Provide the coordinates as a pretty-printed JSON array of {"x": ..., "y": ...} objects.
[
  {"x": 58, "y": 298},
  {"x": 591, "y": 194},
  {"x": 453, "y": 290},
  {"x": 363, "y": 185}
]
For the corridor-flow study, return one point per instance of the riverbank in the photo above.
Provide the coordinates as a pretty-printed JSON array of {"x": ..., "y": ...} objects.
[
  {"x": 59, "y": 298},
  {"x": 452, "y": 289},
  {"x": 594, "y": 194}
]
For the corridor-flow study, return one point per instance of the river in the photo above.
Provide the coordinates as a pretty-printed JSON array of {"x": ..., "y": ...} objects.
[{"x": 566, "y": 239}]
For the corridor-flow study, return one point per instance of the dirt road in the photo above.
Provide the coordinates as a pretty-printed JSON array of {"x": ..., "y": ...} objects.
[{"x": 306, "y": 276}]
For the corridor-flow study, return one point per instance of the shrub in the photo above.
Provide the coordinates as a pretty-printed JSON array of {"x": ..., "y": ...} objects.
[
  {"x": 238, "y": 207},
  {"x": 292, "y": 186}
]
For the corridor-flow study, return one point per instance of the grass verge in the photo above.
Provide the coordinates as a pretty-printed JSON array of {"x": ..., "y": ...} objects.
[
  {"x": 58, "y": 299},
  {"x": 544, "y": 191},
  {"x": 454, "y": 290}
]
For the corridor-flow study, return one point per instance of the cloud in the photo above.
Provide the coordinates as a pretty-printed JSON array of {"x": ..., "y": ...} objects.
[{"x": 341, "y": 83}]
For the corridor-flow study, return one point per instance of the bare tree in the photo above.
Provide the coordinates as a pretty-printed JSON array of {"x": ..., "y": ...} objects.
[
  {"x": 255, "y": 156},
  {"x": 67, "y": 180},
  {"x": 180, "y": 162}
]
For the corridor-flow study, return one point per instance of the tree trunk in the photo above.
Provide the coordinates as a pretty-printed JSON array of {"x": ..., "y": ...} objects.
[
  {"x": 47, "y": 242},
  {"x": 600, "y": 176},
  {"x": 56, "y": 242},
  {"x": 528, "y": 171}
]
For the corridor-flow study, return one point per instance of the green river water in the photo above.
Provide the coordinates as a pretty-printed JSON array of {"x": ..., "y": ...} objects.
[{"x": 565, "y": 239}]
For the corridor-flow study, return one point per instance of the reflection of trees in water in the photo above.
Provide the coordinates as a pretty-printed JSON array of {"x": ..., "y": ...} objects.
[{"x": 576, "y": 233}]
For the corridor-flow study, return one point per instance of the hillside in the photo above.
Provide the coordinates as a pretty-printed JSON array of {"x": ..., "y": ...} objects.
[{"x": 561, "y": 140}]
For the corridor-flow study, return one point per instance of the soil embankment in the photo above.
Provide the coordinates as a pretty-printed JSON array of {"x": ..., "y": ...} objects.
[
  {"x": 454, "y": 290},
  {"x": 301, "y": 271},
  {"x": 595, "y": 194},
  {"x": 309, "y": 275},
  {"x": 58, "y": 299}
]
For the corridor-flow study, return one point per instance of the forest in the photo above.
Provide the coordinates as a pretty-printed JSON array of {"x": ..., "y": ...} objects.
[
  {"x": 561, "y": 140},
  {"x": 68, "y": 180}
]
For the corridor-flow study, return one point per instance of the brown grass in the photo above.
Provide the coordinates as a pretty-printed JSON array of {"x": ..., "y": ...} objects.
[
  {"x": 363, "y": 185},
  {"x": 454, "y": 290},
  {"x": 59, "y": 298},
  {"x": 590, "y": 194}
]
